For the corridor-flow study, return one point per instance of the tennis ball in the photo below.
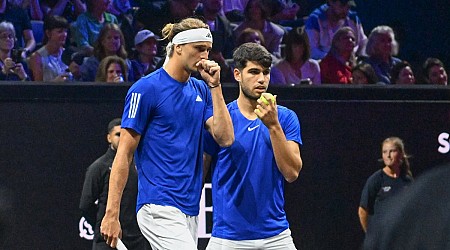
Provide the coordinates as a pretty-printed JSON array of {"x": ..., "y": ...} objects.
[{"x": 265, "y": 97}]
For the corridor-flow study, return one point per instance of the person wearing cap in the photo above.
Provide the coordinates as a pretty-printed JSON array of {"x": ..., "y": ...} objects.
[
  {"x": 164, "y": 118},
  {"x": 146, "y": 61},
  {"x": 324, "y": 21}
]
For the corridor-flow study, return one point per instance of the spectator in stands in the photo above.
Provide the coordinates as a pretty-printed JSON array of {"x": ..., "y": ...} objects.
[
  {"x": 381, "y": 49},
  {"x": 323, "y": 23},
  {"x": 12, "y": 11},
  {"x": 110, "y": 42},
  {"x": 69, "y": 9},
  {"x": 146, "y": 60},
  {"x": 234, "y": 10},
  {"x": 46, "y": 63},
  {"x": 381, "y": 186},
  {"x": 283, "y": 12},
  {"x": 256, "y": 18},
  {"x": 119, "y": 7},
  {"x": 337, "y": 65},
  {"x": 222, "y": 32},
  {"x": 90, "y": 23},
  {"x": 297, "y": 64},
  {"x": 154, "y": 18},
  {"x": 250, "y": 35},
  {"x": 402, "y": 73},
  {"x": 13, "y": 68},
  {"x": 434, "y": 72},
  {"x": 363, "y": 73},
  {"x": 112, "y": 69}
]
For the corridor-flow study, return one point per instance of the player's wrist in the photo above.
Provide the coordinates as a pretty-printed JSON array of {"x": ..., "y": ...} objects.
[{"x": 212, "y": 86}]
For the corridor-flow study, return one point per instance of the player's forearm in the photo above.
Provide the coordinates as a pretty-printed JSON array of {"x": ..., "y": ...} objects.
[
  {"x": 222, "y": 127},
  {"x": 117, "y": 182},
  {"x": 287, "y": 156}
]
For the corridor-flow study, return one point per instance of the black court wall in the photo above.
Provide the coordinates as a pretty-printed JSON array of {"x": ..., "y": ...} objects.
[{"x": 51, "y": 133}]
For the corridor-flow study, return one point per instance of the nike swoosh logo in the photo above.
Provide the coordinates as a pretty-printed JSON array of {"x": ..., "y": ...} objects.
[{"x": 251, "y": 129}]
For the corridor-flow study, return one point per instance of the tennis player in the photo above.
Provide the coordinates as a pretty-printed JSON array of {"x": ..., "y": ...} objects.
[{"x": 164, "y": 116}]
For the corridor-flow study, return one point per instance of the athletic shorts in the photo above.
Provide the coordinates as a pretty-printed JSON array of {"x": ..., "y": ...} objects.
[
  {"x": 166, "y": 227},
  {"x": 283, "y": 241}
]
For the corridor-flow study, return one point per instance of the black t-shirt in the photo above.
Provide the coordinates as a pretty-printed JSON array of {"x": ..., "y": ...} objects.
[
  {"x": 418, "y": 219},
  {"x": 379, "y": 187}
]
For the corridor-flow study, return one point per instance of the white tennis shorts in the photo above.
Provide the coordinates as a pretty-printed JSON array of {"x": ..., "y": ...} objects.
[
  {"x": 283, "y": 241},
  {"x": 166, "y": 227}
]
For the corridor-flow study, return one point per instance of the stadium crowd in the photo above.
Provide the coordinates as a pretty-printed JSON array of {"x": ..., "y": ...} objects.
[{"x": 119, "y": 41}]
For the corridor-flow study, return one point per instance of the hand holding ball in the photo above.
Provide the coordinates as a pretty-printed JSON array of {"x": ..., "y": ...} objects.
[{"x": 265, "y": 97}]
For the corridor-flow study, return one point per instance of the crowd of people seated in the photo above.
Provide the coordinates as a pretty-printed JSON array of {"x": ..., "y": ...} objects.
[{"x": 328, "y": 46}]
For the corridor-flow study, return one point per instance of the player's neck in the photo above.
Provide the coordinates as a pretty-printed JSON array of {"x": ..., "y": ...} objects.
[
  {"x": 247, "y": 107},
  {"x": 176, "y": 71}
]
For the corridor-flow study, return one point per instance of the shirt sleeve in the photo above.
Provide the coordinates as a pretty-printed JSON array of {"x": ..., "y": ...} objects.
[
  {"x": 291, "y": 127},
  {"x": 138, "y": 106},
  {"x": 369, "y": 194},
  {"x": 91, "y": 192},
  {"x": 210, "y": 146}
]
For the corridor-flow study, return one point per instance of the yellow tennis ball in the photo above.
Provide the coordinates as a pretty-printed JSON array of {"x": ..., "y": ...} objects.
[{"x": 265, "y": 97}]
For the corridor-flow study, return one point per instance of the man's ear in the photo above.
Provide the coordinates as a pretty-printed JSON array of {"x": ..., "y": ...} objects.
[
  {"x": 237, "y": 74},
  {"x": 178, "y": 48},
  {"x": 108, "y": 138}
]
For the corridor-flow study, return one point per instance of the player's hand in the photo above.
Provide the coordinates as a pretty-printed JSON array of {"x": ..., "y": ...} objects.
[
  {"x": 110, "y": 230},
  {"x": 210, "y": 72},
  {"x": 268, "y": 113}
]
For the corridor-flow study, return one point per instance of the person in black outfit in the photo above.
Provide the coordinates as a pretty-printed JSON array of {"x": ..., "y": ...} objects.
[
  {"x": 95, "y": 193},
  {"x": 418, "y": 219}
]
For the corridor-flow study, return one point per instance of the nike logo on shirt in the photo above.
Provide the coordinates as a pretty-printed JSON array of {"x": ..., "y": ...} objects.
[{"x": 253, "y": 128}]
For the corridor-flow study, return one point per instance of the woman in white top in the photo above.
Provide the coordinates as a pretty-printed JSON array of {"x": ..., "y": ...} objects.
[
  {"x": 46, "y": 63},
  {"x": 297, "y": 64}
]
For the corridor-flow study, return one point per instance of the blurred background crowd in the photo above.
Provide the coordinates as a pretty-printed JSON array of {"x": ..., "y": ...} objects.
[{"x": 312, "y": 42}]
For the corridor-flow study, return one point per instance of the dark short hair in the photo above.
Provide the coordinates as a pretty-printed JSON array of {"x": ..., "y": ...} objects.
[
  {"x": 429, "y": 63},
  {"x": 113, "y": 123},
  {"x": 251, "y": 52},
  {"x": 397, "y": 68},
  {"x": 264, "y": 11},
  {"x": 297, "y": 36},
  {"x": 367, "y": 71},
  {"x": 55, "y": 22}
]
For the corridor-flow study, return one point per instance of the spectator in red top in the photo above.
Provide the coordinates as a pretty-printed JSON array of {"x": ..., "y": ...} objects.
[{"x": 337, "y": 65}]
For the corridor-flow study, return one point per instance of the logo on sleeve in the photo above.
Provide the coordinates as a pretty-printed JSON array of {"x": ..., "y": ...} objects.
[
  {"x": 198, "y": 99},
  {"x": 134, "y": 104}
]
